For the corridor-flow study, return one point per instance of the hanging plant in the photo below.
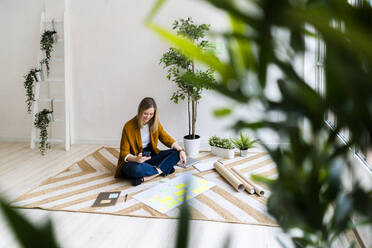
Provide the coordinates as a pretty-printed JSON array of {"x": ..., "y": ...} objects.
[
  {"x": 46, "y": 63},
  {"x": 31, "y": 77},
  {"x": 42, "y": 121},
  {"x": 46, "y": 45}
]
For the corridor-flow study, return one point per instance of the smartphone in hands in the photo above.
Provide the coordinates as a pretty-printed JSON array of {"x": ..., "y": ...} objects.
[{"x": 146, "y": 154}]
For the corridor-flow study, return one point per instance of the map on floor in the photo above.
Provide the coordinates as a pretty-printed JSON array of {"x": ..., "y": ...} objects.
[
  {"x": 166, "y": 196},
  {"x": 105, "y": 199}
]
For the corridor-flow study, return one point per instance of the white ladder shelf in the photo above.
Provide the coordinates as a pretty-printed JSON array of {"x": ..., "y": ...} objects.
[{"x": 48, "y": 81}]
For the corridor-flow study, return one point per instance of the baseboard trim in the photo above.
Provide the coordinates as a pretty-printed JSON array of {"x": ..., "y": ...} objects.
[
  {"x": 115, "y": 143},
  {"x": 14, "y": 139},
  {"x": 111, "y": 142}
]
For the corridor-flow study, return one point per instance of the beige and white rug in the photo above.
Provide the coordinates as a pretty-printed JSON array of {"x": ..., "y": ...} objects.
[{"x": 76, "y": 188}]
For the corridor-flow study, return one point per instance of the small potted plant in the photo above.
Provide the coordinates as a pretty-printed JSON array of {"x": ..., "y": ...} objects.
[
  {"x": 221, "y": 147},
  {"x": 243, "y": 143}
]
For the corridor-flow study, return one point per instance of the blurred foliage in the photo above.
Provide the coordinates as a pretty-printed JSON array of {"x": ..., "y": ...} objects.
[
  {"x": 183, "y": 228},
  {"x": 28, "y": 234},
  {"x": 244, "y": 142},
  {"x": 308, "y": 194},
  {"x": 183, "y": 71}
]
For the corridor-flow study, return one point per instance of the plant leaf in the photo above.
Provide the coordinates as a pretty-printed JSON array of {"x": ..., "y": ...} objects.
[
  {"x": 183, "y": 224},
  {"x": 222, "y": 112},
  {"x": 27, "y": 234},
  {"x": 193, "y": 51},
  {"x": 154, "y": 10}
]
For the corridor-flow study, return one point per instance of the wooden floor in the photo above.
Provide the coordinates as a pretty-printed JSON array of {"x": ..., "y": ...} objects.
[{"x": 22, "y": 169}]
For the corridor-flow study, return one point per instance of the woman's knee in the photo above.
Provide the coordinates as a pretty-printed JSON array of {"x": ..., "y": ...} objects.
[
  {"x": 131, "y": 170},
  {"x": 175, "y": 153},
  {"x": 174, "y": 157},
  {"x": 172, "y": 152},
  {"x": 137, "y": 171}
]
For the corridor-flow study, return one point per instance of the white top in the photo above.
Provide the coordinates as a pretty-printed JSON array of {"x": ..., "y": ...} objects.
[{"x": 145, "y": 135}]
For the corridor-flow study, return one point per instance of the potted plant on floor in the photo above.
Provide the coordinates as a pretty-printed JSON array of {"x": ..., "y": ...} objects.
[
  {"x": 181, "y": 69},
  {"x": 244, "y": 142},
  {"x": 221, "y": 147}
]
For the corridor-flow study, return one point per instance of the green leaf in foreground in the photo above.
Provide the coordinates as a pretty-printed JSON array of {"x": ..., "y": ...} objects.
[
  {"x": 183, "y": 227},
  {"x": 222, "y": 112},
  {"x": 28, "y": 234}
]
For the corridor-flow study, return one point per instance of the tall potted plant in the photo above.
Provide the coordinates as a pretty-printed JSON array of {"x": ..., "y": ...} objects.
[{"x": 180, "y": 69}]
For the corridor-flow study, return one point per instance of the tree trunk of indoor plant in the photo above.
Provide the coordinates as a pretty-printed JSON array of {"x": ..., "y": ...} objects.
[
  {"x": 192, "y": 141},
  {"x": 194, "y": 107},
  {"x": 189, "y": 113}
]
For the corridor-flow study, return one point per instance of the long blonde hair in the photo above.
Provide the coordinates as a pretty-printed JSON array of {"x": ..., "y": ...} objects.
[{"x": 147, "y": 103}]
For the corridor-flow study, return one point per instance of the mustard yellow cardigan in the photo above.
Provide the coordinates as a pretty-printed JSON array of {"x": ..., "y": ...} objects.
[{"x": 131, "y": 142}]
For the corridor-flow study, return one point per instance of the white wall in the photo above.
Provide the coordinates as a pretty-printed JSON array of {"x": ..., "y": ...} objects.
[
  {"x": 115, "y": 62},
  {"x": 19, "y": 49},
  {"x": 19, "y": 44}
]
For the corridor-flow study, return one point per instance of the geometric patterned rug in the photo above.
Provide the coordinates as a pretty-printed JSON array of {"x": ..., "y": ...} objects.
[{"x": 76, "y": 188}]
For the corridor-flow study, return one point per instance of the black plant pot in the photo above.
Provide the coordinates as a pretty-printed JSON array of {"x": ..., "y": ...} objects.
[{"x": 189, "y": 137}]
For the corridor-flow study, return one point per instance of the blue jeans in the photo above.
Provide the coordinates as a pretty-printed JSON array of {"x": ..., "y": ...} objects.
[{"x": 165, "y": 161}]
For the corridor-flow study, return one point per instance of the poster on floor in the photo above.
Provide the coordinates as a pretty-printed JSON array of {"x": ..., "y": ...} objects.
[{"x": 166, "y": 196}]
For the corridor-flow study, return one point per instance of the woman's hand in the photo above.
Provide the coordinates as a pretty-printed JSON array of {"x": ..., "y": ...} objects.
[
  {"x": 140, "y": 159},
  {"x": 182, "y": 155}
]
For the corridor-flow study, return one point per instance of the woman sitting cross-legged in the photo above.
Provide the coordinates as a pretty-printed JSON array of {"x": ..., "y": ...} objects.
[{"x": 140, "y": 159}]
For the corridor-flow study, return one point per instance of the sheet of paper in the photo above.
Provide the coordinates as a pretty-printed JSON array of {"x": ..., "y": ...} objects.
[
  {"x": 205, "y": 165},
  {"x": 166, "y": 196}
]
